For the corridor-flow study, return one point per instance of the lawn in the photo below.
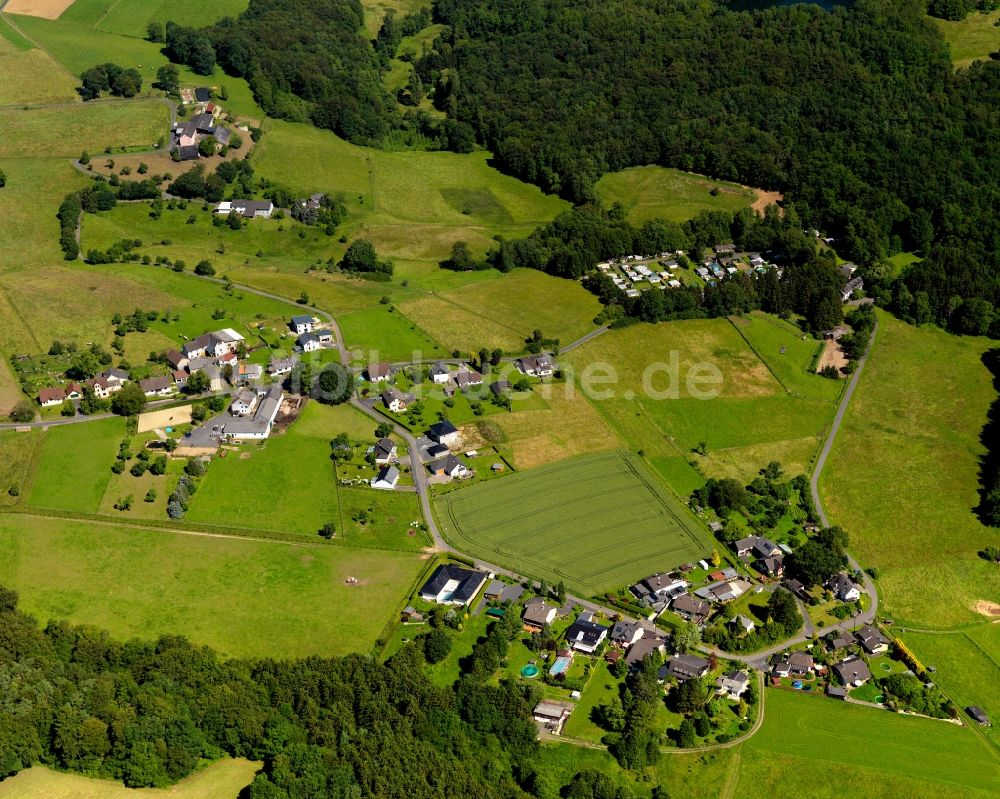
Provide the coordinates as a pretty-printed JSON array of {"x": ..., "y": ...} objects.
[
  {"x": 595, "y": 522},
  {"x": 244, "y": 598},
  {"x": 822, "y": 731},
  {"x": 648, "y": 192},
  {"x": 968, "y": 668},
  {"x": 224, "y": 779},
  {"x": 902, "y": 478},
  {"x": 287, "y": 484},
  {"x": 382, "y": 333},
  {"x": 502, "y": 313},
  {"x": 74, "y": 465},
  {"x": 18, "y": 454},
  {"x": 130, "y": 17},
  {"x": 653, "y": 398},
  {"x": 974, "y": 37},
  {"x": 65, "y": 132},
  {"x": 29, "y": 75}
]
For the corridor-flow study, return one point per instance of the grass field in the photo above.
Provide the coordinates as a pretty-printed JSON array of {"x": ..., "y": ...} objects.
[
  {"x": 503, "y": 312},
  {"x": 753, "y": 420},
  {"x": 974, "y": 37},
  {"x": 411, "y": 205},
  {"x": 288, "y": 484},
  {"x": 902, "y": 478},
  {"x": 648, "y": 192},
  {"x": 386, "y": 335},
  {"x": 18, "y": 453},
  {"x": 130, "y": 17},
  {"x": 595, "y": 522},
  {"x": 242, "y": 597},
  {"x": 815, "y": 729},
  {"x": 223, "y": 779},
  {"x": 66, "y": 131},
  {"x": 74, "y": 465},
  {"x": 968, "y": 667},
  {"x": 30, "y": 75}
]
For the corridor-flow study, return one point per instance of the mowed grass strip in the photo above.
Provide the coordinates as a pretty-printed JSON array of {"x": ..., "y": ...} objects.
[
  {"x": 74, "y": 466},
  {"x": 649, "y": 192},
  {"x": 242, "y": 597},
  {"x": 223, "y": 779},
  {"x": 595, "y": 522},
  {"x": 814, "y": 728},
  {"x": 130, "y": 17},
  {"x": 384, "y": 334},
  {"x": 66, "y": 131},
  {"x": 903, "y": 475}
]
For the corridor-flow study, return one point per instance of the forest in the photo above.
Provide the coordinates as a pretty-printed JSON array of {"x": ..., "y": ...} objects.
[
  {"x": 855, "y": 114},
  {"x": 149, "y": 712}
]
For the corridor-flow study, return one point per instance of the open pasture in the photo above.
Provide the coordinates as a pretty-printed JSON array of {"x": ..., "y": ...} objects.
[
  {"x": 653, "y": 399},
  {"x": 411, "y": 205},
  {"x": 649, "y": 192},
  {"x": 972, "y": 38},
  {"x": 595, "y": 522},
  {"x": 242, "y": 597},
  {"x": 503, "y": 312},
  {"x": 381, "y": 334},
  {"x": 130, "y": 17},
  {"x": 815, "y": 729},
  {"x": 968, "y": 668},
  {"x": 29, "y": 75},
  {"x": 74, "y": 465},
  {"x": 68, "y": 130},
  {"x": 902, "y": 478},
  {"x": 287, "y": 484},
  {"x": 223, "y": 779}
]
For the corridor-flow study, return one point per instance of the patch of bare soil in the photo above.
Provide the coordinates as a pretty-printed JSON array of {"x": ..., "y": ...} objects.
[
  {"x": 46, "y": 9},
  {"x": 832, "y": 356},
  {"x": 766, "y": 198},
  {"x": 987, "y": 608}
]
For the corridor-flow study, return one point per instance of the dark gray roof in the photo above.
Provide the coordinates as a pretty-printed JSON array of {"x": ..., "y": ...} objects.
[
  {"x": 624, "y": 630},
  {"x": 468, "y": 582},
  {"x": 304, "y": 319},
  {"x": 384, "y": 448},
  {"x": 188, "y": 153},
  {"x": 686, "y": 666},
  {"x": 854, "y": 670},
  {"x": 202, "y": 94},
  {"x": 585, "y": 631},
  {"x": 222, "y": 135},
  {"x": 442, "y": 428}
]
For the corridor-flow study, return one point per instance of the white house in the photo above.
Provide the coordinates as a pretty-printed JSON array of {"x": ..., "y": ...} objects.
[
  {"x": 439, "y": 373},
  {"x": 384, "y": 451},
  {"x": 386, "y": 479},
  {"x": 161, "y": 386},
  {"x": 246, "y": 208},
  {"x": 308, "y": 342},
  {"x": 244, "y": 403},
  {"x": 444, "y": 432},
  {"x": 49, "y": 397},
  {"x": 302, "y": 324},
  {"x": 395, "y": 400},
  {"x": 452, "y": 585},
  {"x": 212, "y": 345},
  {"x": 585, "y": 634},
  {"x": 844, "y": 588}
]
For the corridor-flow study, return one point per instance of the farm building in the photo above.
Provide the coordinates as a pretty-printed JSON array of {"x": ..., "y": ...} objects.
[{"x": 452, "y": 585}]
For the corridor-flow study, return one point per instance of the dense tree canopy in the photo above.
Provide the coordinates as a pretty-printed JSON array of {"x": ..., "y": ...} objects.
[
  {"x": 855, "y": 113},
  {"x": 148, "y": 712}
]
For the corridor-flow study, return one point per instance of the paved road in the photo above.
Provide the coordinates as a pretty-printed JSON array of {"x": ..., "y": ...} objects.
[
  {"x": 869, "y": 584},
  {"x": 584, "y": 339}
]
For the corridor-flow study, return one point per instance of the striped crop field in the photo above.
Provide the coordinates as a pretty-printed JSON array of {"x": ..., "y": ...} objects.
[{"x": 595, "y": 522}]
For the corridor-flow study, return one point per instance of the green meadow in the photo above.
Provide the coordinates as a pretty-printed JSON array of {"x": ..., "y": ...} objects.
[
  {"x": 224, "y": 779},
  {"x": 88, "y": 126},
  {"x": 242, "y": 597},
  {"x": 649, "y": 192},
  {"x": 28, "y": 74},
  {"x": 287, "y": 484},
  {"x": 74, "y": 466},
  {"x": 747, "y": 417},
  {"x": 902, "y": 478},
  {"x": 968, "y": 667},
  {"x": 382, "y": 333},
  {"x": 595, "y": 522},
  {"x": 972, "y": 38},
  {"x": 808, "y": 730}
]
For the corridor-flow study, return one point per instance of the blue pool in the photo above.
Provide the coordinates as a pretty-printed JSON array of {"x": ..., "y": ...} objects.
[{"x": 560, "y": 665}]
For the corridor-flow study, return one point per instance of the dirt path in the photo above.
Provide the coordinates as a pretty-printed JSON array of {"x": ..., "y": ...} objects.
[{"x": 832, "y": 356}]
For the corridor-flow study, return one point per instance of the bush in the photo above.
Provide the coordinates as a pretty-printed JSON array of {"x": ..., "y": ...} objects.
[{"x": 437, "y": 645}]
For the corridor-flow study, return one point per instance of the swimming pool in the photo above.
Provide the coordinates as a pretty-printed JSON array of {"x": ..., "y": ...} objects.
[
  {"x": 560, "y": 665},
  {"x": 529, "y": 670}
]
